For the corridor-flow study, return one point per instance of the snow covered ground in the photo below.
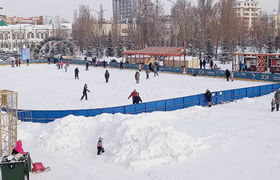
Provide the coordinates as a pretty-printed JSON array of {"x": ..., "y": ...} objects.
[{"x": 239, "y": 140}]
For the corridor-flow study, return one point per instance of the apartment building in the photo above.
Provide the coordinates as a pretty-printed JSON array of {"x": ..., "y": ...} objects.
[
  {"x": 247, "y": 12},
  {"x": 123, "y": 9}
]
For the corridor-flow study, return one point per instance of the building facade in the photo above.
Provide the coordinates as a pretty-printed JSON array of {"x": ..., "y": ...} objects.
[
  {"x": 247, "y": 12},
  {"x": 20, "y": 20},
  {"x": 123, "y": 9}
]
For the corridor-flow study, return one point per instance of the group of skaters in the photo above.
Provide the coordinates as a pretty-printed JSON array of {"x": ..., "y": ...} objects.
[
  {"x": 61, "y": 64},
  {"x": 16, "y": 63},
  {"x": 153, "y": 67}
]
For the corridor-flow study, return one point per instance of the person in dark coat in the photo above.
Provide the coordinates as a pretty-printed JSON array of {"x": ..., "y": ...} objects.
[
  {"x": 200, "y": 63},
  {"x": 211, "y": 64},
  {"x": 27, "y": 61},
  {"x": 85, "y": 92},
  {"x": 49, "y": 60},
  {"x": 104, "y": 63},
  {"x": 277, "y": 99},
  {"x": 204, "y": 63},
  {"x": 107, "y": 75},
  {"x": 87, "y": 66},
  {"x": 208, "y": 96},
  {"x": 150, "y": 66},
  {"x": 76, "y": 73},
  {"x": 121, "y": 65},
  {"x": 227, "y": 74},
  {"x": 137, "y": 99}
]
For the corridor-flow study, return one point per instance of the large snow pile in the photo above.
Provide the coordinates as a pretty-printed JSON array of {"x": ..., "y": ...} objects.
[{"x": 141, "y": 141}]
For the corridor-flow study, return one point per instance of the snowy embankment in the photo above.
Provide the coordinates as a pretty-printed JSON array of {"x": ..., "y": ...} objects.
[{"x": 238, "y": 140}]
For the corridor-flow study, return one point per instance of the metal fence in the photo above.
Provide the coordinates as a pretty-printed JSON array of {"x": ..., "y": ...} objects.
[{"x": 219, "y": 97}]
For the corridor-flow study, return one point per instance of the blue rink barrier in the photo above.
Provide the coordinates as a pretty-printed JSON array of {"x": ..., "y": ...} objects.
[{"x": 218, "y": 97}]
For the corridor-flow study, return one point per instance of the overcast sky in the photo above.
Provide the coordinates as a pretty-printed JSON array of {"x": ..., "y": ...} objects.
[{"x": 65, "y": 8}]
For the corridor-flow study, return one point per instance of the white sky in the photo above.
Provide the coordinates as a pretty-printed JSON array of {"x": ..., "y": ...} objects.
[{"x": 65, "y": 9}]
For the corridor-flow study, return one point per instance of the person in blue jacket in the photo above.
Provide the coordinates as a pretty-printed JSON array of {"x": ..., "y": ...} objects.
[
  {"x": 85, "y": 92},
  {"x": 107, "y": 75},
  {"x": 208, "y": 96}
]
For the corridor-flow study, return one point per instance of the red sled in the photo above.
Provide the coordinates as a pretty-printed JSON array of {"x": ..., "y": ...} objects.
[{"x": 38, "y": 168}]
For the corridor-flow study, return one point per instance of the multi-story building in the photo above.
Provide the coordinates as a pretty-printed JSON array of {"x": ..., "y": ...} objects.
[
  {"x": 20, "y": 20},
  {"x": 248, "y": 12},
  {"x": 123, "y": 9}
]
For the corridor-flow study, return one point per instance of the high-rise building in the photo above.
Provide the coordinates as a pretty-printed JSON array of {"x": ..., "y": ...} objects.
[
  {"x": 1, "y": 7},
  {"x": 248, "y": 12},
  {"x": 123, "y": 9}
]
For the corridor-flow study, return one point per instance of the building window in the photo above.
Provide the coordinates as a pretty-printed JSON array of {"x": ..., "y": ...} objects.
[{"x": 42, "y": 36}]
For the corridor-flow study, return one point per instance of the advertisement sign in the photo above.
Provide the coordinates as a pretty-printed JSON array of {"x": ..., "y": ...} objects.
[{"x": 25, "y": 54}]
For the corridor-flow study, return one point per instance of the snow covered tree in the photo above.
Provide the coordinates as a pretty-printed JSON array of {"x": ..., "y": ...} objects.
[
  {"x": 130, "y": 45},
  {"x": 153, "y": 41},
  {"x": 89, "y": 49},
  {"x": 225, "y": 52},
  {"x": 208, "y": 50},
  {"x": 119, "y": 49},
  {"x": 270, "y": 48},
  {"x": 192, "y": 49},
  {"x": 162, "y": 42},
  {"x": 110, "y": 52}
]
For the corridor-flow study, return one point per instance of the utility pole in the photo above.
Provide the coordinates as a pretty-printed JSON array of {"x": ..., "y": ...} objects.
[
  {"x": 176, "y": 12},
  {"x": 100, "y": 16}
]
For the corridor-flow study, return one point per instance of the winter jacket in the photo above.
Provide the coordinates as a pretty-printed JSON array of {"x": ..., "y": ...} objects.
[
  {"x": 85, "y": 90},
  {"x": 211, "y": 63},
  {"x": 76, "y": 71},
  {"x": 227, "y": 73},
  {"x": 99, "y": 143},
  {"x": 137, "y": 75},
  {"x": 277, "y": 96},
  {"x": 18, "y": 149},
  {"x": 133, "y": 94},
  {"x": 136, "y": 100},
  {"x": 208, "y": 96},
  {"x": 107, "y": 74}
]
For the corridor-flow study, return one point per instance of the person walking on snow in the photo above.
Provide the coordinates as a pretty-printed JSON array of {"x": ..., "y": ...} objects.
[
  {"x": 85, "y": 92},
  {"x": 100, "y": 147},
  {"x": 87, "y": 65},
  {"x": 227, "y": 74},
  {"x": 204, "y": 63},
  {"x": 277, "y": 99},
  {"x": 61, "y": 64},
  {"x": 107, "y": 75},
  {"x": 133, "y": 94},
  {"x": 65, "y": 67},
  {"x": 137, "y": 77},
  {"x": 155, "y": 66},
  {"x": 208, "y": 96},
  {"x": 231, "y": 75},
  {"x": 121, "y": 65},
  {"x": 272, "y": 105},
  {"x": 76, "y": 73}
]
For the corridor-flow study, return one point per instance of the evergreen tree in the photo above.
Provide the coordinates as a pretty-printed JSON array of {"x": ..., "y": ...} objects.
[
  {"x": 162, "y": 43},
  {"x": 153, "y": 42},
  {"x": 110, "y": 52},
  {"x": 225, "y": 52},
  {"x": 208, "y": 50},
  {"x": 130, "y": 45},
  {"x": 119, "y": 49},
  {"x": 89, "y": 49},
  {"x": 192, "y": 49}
]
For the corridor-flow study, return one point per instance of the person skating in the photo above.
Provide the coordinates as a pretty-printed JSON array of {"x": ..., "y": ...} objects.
[
  {"x": 277, "y": 99},
  {"x": 104, "y": 63},
  {"x": 100, "y": 147},
  {"x": 204, "y": 63},
  {"x": 87, "y": 65},
  {"x": 208, "y": 96},
  {"x": 121, "y": 65},
  {"x": 76, "y": 73},
  {"x": 133, "y": 94},
  {"x": 147, "y": 73},
  {"x": 211, "y": 64},
  {"x": 66, "y": 67},
  {"x": 231, "y": 75},
  {"x": 27, "y": 61},
  {"x": 61, "y": 64},
  {"x": 137, "y": 77},
  {"x": 155, "y": 66},
  {"x": 85, "y": 92},
  {"x": 227, "y": 74},
  {"x": 273, "y": 105},
  {"x": 137, "y": 99},
  {"x": 107, "y": 75}
]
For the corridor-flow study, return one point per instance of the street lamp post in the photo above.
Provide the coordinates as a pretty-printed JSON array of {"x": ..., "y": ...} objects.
[
  {"x": 176, "y": 11},
  {"x": 99, "y": 29}
]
